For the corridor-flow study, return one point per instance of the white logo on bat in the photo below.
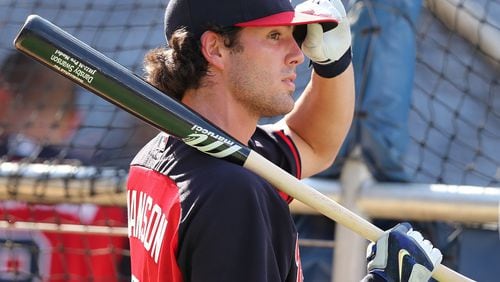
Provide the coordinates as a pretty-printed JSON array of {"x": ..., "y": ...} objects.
[{"x": 194, "y": 139}]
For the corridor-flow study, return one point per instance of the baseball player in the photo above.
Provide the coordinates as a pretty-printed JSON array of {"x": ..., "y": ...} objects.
[{"x": 193, "y": 217}]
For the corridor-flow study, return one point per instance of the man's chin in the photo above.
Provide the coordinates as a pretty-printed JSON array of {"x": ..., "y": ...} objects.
[{"x": 279, "y": 111}]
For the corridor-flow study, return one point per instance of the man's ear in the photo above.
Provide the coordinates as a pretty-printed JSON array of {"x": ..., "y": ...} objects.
[{"x": 211, "y": 48}]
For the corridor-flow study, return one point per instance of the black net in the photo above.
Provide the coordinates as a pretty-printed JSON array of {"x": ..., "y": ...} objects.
[
  {"x": 427, "y": 91},
  {"x": 71, "y": 122},
  {"x": 455, "y": 113}
]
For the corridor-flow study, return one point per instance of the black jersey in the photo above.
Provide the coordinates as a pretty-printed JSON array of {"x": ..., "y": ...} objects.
[{"x": 193, "y": 217}]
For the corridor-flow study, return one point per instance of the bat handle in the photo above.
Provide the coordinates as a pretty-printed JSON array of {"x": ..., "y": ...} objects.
[
  {"x": 300, "y": 191},
  {"x": 445, "y": 274}
]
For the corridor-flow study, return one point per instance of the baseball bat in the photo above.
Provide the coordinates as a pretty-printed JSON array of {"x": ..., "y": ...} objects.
[{"x": 70, "y": 57}]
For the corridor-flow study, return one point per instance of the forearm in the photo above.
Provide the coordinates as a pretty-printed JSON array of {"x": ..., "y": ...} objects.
[{"x": 321, "y": 119}]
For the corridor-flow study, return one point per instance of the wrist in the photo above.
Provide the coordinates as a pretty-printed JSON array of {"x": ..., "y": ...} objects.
[{"x": 335, "y": 68}]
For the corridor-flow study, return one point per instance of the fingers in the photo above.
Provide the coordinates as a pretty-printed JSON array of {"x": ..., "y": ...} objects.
[
  {"x": 339, "y": 7},
  {"x": 416, "y": 235},
  {"x": 434, "y": 254},
  {"x": 305, "y": 7},
  {"x": 321, "y": 8}
]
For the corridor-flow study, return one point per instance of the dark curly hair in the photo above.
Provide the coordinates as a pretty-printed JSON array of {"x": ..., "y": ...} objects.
[{"x": 181, "y": 66}]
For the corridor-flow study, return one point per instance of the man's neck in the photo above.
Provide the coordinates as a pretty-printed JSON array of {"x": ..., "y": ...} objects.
[{"x": 221, "y": 109}]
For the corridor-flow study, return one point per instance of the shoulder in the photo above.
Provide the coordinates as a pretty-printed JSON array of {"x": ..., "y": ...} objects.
[
  {"x": 220, "y": 177},
  {"x": 277, "y": 147},
  {"x": 219, "y": 185}
]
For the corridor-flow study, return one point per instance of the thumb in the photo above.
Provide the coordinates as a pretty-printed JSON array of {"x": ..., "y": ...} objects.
[{"x": 314, "y": 36}]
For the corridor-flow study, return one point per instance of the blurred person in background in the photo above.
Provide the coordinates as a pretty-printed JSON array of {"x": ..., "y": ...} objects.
[
  {"x": 38, "y": 118},
  {"x": 38, "y": 112}
]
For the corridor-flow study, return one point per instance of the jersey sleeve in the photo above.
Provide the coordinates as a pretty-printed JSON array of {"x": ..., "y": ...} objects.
[
  {"x": 239, "y": 231},
  {"x": 279, "y": 148}
]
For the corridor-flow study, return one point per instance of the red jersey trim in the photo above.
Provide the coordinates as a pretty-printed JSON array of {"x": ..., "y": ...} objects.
[
  {"x": 296, "y": 157},
  {"x": 293, "y": 149}
]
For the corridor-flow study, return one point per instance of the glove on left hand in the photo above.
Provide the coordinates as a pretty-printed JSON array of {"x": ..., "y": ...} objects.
[{"x": 328, "y": 50}]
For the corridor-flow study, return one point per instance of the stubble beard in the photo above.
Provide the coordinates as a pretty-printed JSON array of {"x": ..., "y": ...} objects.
[{"x": 255, "y": 91}]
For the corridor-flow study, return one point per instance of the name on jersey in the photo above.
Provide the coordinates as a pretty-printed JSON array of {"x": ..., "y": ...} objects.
[{"x": 146, "y": 222}]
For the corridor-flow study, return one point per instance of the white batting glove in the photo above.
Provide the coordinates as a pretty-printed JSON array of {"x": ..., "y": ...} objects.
[
  {"x": 402, "y": 254},
  {"x": 328, "y": 50}
]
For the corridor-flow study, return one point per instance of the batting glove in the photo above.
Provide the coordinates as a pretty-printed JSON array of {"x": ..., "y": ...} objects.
[
  {"x": 329, "y": 50},
  {"x": 402, "y": 254}
]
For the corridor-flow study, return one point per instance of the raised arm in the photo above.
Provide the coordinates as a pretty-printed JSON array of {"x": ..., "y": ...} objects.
[
  {"x": 323, "y": 114},
  {"x": 321, "y": 119}
]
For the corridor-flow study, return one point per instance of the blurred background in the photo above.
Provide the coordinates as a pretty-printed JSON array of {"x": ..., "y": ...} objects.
[{"x": 423, "y": 146}]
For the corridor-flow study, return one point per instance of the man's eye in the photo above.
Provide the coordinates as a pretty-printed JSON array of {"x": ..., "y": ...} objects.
[{"x": 275, "y": 35}]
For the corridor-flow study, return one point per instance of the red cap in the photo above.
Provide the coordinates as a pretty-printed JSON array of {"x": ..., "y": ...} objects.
[
  {"x": 288, "y": 18},
  {"x": 195, "y": 15}
]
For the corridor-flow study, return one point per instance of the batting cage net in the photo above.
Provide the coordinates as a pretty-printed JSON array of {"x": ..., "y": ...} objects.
[
  {"x": 455, "y": 110},
  {"x": 428, "y": 110}
]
